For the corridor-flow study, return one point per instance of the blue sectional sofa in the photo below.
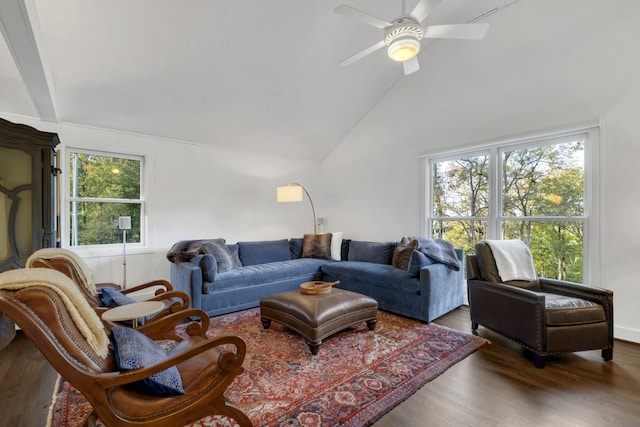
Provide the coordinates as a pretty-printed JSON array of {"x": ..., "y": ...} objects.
[{"x": 426, "y": 289}]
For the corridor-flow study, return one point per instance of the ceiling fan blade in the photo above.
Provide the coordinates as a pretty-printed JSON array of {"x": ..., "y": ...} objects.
[
  {"x": 411, "y": 66},
  {"x": 358, "y": 15},
  {"x": 460, "y": 31},
  {"x": 350, "y": 60},
  {"x": 423, "y": 9}
]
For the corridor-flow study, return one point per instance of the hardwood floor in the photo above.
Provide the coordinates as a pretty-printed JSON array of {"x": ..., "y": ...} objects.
[{"x": 495, "y": 386}]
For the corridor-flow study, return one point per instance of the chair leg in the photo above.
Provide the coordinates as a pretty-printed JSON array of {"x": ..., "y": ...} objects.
[
  {"x": 474, "y": 326},
  {"x": 539, "y": 361},
  {"x": 607, "y": 354},
  {"x": 233, "y": 412}
]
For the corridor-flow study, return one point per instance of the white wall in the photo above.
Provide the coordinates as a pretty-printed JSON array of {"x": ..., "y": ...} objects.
[
  {"x": 543, "y": 64},
  {"x": 193, "y": 192}
]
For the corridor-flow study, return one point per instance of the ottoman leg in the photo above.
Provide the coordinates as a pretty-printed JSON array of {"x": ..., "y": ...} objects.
[
  {"x": 314, "y": 347},
  {"x": 265, "y": 322},
  {"x": 371, "y": 324}
]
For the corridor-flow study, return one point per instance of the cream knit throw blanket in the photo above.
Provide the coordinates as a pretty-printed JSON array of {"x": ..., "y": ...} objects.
[
  {"x": 513, "y": 259},
  {"x": 85, "y": 318},
  {"x": 72, "y": 258}
]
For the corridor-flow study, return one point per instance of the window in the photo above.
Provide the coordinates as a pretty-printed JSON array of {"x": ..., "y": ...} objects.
[
  {"x": 103, "y": 187},
  {"x": 537, "y": 190}
]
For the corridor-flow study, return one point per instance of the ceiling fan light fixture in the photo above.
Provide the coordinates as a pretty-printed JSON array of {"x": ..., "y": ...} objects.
[{"x": 403, "y": 49}]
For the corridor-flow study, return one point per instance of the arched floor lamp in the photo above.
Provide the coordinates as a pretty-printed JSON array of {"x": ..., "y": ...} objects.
[{"x": 293, "y": 193}]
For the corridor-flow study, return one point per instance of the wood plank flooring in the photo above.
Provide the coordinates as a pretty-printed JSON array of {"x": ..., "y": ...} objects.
[{"x": 495, "y": 386}]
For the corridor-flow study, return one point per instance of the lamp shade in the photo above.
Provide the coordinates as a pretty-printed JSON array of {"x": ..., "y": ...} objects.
[
  {"x": 124, "y": 222},
  {"x": 289, "y": 193}
]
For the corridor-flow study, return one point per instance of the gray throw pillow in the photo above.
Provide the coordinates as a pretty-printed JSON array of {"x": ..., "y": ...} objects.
[
  {"x": 316, "y": 246},
  {"x": 377, "y": 252},
  {"x": 218, "y": 248}
]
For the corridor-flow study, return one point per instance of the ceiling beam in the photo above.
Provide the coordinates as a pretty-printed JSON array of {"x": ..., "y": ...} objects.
[{"x": 20, "y": 28}]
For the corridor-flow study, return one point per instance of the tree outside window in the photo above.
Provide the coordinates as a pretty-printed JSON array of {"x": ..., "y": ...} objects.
[
  {"x": 104, "y": 187},
  {"x": 540, "y": 193}
]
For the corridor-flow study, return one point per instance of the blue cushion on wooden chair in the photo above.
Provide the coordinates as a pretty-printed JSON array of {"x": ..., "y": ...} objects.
[{"x": 134, "y": 350}]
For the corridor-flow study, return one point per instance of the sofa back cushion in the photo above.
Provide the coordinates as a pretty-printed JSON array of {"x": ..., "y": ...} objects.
[
  {"x": 262, "y": 252},
  {"x": 378, "y": 252},
  {"x": 295, "y": 247}
]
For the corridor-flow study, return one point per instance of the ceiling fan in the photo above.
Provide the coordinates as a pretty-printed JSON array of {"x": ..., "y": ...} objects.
[{"x": 403, "y": 34}]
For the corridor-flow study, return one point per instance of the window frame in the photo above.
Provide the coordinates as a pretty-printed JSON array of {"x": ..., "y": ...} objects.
[
  {"x": 494, "y": 149},
  {"x": 110, "y": 248}
]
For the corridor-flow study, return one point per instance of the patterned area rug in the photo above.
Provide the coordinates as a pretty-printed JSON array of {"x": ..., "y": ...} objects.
[{"x": 357, "y": 376}]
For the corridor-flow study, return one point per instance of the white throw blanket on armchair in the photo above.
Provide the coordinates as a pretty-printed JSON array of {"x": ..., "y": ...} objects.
[
  {"x": 513, "y": 259},
  {"x": 84, "y": 317}
]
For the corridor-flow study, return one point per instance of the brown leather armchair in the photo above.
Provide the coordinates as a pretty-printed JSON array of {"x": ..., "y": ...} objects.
[
  {"x": 545, "y": 316},
  {"x": 70, "y": 335},
  {"x": 74, "y": 267}
]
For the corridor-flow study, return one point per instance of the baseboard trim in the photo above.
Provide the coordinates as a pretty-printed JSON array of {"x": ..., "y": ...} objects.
[{"x": 626, "y": 334}]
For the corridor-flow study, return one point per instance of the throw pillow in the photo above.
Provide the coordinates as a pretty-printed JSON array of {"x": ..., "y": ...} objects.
[
  {"x": 218, "y": 248},
  {"x": 416, "y": 262},
  {"x": 208, "y": 266},
  {"x": 295, "y": 246},
  {"x": 403, "y": 251},
  {"x": 336, "y": 245},
  {"x": 112, "y": 297},
  {"x": 377, "y": 252},
  {"x": 316, "y": 246},
  {"x": 134, "y": 350},
  {"x": 235, "y": 253}
]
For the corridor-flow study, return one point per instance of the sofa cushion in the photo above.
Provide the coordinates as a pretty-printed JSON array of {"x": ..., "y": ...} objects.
[
  {"x": 208, "y": 266},
  {"x": 252, "y": 275},
  {"x": 295, "y": 247},
  {"x": 378, "y": 252},
  {"x": 416, "y": 262},
  {"x": 486, "y": 263},
  {"x": 262, "y": 252},
  {"x": 234, "y": 249},
  {"x": 316, "y": 246},
  {"x": 134, "y": 350},
  {"x": 402, "y": 252},
  {"x": 373, "y": 274},
  {"x": 218, "y": 248},
  {"x": 563, "y": 310}
]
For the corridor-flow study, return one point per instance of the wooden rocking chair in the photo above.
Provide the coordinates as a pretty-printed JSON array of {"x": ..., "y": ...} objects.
[
  {"x": 207, "y": 366},
  {"x": 74, "y": 267}
]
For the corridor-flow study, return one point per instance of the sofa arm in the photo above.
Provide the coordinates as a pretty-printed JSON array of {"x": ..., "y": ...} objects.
[
  {"x": 441, "y": 290},
  {"x": 188, "y": 277}
]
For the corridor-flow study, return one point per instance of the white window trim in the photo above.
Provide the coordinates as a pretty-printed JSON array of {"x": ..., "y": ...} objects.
[
  {"x": 592, "y": 205},
  {"x": 91, "y": 251}
]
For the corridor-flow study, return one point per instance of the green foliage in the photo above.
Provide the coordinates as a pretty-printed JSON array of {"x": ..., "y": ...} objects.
[
  {"x": 102, "y": 189},
  {"x": 542, "y": 204}
]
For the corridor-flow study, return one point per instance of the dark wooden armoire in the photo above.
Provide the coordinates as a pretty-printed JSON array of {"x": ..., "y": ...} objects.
[{"x": 27, "y": 198}]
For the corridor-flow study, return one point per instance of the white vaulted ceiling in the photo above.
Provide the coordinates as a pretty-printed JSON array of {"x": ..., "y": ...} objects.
[{"x": 252, "y": 75}]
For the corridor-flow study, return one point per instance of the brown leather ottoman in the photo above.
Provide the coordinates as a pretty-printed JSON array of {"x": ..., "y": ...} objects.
[{"x": 316, "y": 317}]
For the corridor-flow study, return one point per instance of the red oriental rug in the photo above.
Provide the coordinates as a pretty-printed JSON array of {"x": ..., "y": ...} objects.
[{"x": 357, "y": 376}]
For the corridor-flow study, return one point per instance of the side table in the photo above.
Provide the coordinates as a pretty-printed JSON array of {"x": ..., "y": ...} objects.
[{"x": 132, "y": 311}]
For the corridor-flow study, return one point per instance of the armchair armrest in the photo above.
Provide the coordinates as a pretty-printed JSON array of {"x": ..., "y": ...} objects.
[
  {"x": 491, "y": 303},
  {"x": 228, "y": 361},
  {"x": 165, "y": 327},
  {"x": 578, "y": 290},
  {"x": 165, "y": 286},
  {"x": 181, "y": 300}
]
